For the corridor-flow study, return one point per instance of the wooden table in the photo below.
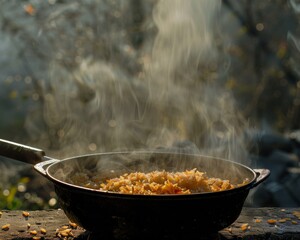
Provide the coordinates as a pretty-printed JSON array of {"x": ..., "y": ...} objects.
[{"x": 254, "y": 222}]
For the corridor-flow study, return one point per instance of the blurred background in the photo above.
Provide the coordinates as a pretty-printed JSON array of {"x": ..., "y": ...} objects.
[{"x": 104, "y": 75}]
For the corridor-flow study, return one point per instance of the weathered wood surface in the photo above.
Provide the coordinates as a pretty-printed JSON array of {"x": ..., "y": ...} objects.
[{"x": 286, "y": 227}]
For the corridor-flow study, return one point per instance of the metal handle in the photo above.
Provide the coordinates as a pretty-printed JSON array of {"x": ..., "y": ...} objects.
[
  {"x": 21, "y": 152},
  {"x": 261, "y": 175}
]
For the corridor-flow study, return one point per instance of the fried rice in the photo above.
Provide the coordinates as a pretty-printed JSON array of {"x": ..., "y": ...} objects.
[{"x": 156, "y": 182}]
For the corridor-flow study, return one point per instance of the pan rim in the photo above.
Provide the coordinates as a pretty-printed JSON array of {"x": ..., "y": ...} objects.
[{"x": 154, "y": 196}]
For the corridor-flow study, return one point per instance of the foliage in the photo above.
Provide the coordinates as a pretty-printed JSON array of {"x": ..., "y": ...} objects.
[
  {"x": 263, "y": 73},
  {"x": 16, "y": 196}
]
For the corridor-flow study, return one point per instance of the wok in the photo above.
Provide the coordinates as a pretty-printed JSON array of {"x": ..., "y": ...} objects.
[{"x": 129, "y": 216}]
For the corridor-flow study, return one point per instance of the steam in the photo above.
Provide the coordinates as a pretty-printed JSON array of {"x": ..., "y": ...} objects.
[
  {"x": 101, "y": 106},
  {"x": 184, "y": 49},
  {"x": 185, "y": 38}
]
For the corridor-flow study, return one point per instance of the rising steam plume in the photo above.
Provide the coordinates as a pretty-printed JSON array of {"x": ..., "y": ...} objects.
[{"x": 100, "y": 106}]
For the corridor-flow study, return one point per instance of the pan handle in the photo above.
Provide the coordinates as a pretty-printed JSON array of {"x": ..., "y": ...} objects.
[
  {"x": 261, "y": 175},
  {"x": 21, "y": 152}
]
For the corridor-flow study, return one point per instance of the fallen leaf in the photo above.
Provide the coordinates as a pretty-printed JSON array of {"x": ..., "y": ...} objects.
[{"x": 29, "y": 9}]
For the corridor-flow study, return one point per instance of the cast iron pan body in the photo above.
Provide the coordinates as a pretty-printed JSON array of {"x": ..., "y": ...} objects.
[{"x": 128, "y": 216}]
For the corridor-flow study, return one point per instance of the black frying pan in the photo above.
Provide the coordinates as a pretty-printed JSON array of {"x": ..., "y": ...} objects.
[{"x": 129, "y": 216}]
